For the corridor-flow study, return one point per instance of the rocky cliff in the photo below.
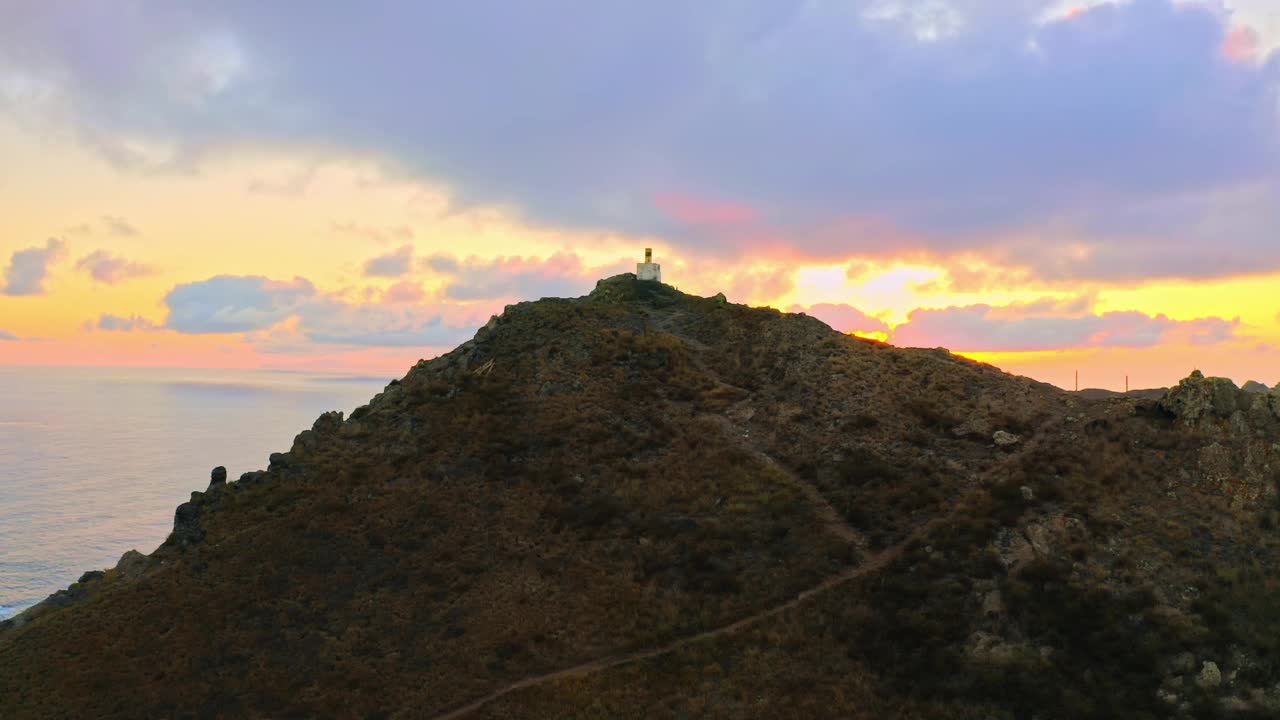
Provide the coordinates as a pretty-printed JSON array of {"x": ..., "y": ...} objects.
[{"x": 644, "y": 504}]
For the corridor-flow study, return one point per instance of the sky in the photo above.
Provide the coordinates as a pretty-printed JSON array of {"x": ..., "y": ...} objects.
[{"x": 1050, "y": 187}]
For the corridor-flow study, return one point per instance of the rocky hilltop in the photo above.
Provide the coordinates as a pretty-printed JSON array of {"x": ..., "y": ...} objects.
[{"x": 644, "y": 504}]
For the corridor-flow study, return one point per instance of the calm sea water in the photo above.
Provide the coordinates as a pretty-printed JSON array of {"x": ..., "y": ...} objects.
[{"x": 93, "y": 461}]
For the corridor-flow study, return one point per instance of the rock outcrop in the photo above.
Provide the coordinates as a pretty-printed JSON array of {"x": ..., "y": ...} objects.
[
  {"x": 1005, "y": 439},
  {"x": 1198, "y": 397}
]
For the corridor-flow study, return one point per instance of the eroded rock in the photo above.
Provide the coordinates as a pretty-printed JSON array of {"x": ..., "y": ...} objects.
[
  {"x": 217, "y": 478},
  {"x": 131, "y": 565},
  {"x": 1197, "y": 397},
  {"x": 1005, "y": 439}
]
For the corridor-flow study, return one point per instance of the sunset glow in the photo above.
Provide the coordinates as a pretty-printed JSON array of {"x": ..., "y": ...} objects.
[{"x": 182, "y": 196}]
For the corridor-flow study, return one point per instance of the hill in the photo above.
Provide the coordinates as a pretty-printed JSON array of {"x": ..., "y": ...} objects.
[{"x": 645, "y": 504}]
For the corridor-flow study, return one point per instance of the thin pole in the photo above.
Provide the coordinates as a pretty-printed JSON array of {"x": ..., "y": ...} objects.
[{"x": 1077, "y": 381}]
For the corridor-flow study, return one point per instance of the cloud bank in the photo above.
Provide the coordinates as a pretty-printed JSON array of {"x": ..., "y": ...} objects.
[
  {"x": 229, "y": 303},
  {"x": 252, "y": 304},
  {"x": 1124, "y": 141},
  {"x": 983, "y": 328}
]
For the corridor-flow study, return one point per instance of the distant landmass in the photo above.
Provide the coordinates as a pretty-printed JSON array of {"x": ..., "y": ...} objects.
[
  {"x": 646, "y": 504},
  {"x": 1099, "y": 394}
]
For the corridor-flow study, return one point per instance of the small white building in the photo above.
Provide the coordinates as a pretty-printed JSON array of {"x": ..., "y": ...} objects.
[{"x": 649, "y": 270}]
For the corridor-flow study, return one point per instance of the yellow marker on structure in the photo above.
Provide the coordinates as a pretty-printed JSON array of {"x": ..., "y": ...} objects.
[{"x": 649, "y": 270}]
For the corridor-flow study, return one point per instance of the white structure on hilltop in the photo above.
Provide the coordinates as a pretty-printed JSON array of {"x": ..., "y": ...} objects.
[{"x": 649, "y": 270}]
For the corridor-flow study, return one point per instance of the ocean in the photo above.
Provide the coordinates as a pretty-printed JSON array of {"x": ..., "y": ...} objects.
[{"x": 93, "y": 461}]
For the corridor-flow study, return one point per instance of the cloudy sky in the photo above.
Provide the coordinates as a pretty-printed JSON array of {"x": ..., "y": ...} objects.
[{"x": 1047, "y": 186}]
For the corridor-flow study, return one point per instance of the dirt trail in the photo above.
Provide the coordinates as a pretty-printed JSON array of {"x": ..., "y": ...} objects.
[
  {"x": 827, "y": 514},
  {"x": 875, "y": 564}
]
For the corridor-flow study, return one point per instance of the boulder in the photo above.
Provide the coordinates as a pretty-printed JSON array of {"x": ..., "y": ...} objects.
[
  {"x": 131, "y": 564},
  {"x": 91, "y": 576},
  {"x": 218, "y": 478},
  {"x": 1197, "y": 397},
  {"x": 327, "y": 423},
  {"x": 1005, "y": 439},
  {"x": 186, "y": 522},
  {"x": 1253, "y": 386},
  {"x": 1210, "y": 676},
  {"x": 1041, "y": 539},
  {"x": 303, "y": 443},
  {"x": 279, "y": 461}
]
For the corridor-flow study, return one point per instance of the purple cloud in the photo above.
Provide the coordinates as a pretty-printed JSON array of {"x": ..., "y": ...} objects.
[
  {"x": 392, "y": 264},
  {"x": 110, "y": 269},
  {"x": 335, "y": 322},
  {"x": 6, "y": 336},
  {"x": 983, "y": 328},
  {"x": 116, "y": 323},
  {"x": 561, "y": 275},
  {"x": 1132, "y": 130},
  {"x": 29, "y": 268},
  {"x": 230, "y": 303},
  {"x": 255, "y": 305}
]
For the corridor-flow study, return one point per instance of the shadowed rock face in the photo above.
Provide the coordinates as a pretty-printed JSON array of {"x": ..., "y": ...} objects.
[{"x": 645, "y": 504}]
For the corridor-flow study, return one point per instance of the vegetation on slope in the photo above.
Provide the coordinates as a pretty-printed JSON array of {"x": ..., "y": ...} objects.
[{"x": 590, "y": 479}]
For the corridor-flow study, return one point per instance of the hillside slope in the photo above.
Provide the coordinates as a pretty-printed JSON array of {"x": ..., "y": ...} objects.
[{"x": 644, "y": 504}]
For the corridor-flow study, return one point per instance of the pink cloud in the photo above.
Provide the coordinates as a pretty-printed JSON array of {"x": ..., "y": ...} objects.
[
  {"x": 760, "y": 285},
  {"x": 697, "y": 211},
  {"x": 524, "y": 278},
  {"x": 1052, "y": 326},
  {"x": 110, "y": 269},
  {"x": 1241, "y": 44},
  {"x": 844, "y": 318},
  {"x": 402, "y": 293}
]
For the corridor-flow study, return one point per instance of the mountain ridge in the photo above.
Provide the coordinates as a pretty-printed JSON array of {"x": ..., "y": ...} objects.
[{"x": 649, "y": 476}]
